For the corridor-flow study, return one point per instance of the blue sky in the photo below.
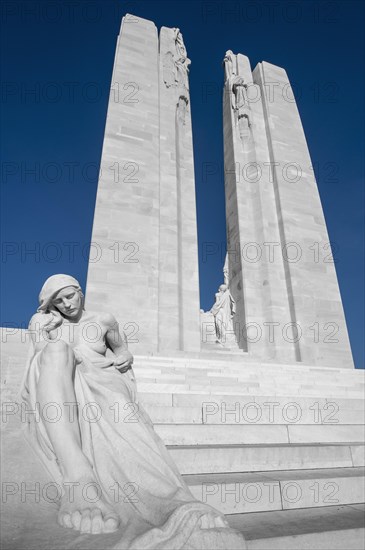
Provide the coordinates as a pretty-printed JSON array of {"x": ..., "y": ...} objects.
[{"x": 52, "y": 137}]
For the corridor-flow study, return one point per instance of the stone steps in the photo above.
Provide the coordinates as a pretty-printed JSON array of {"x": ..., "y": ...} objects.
[
  {"x": 219, "y": 369},
  {"x": 257, "y": 461},
  {"x": 250, "y": 381},
  {"x": 192, "y": 375},
  {"x": 262, "y": 431},
  {"x": 214, "y": 434},
  {"x": 250, "y": 386},
  {"x": 198, "y": 459},
  {"x": 251, "y": 412},
  {"x": 244, "y": 372},
  {"x": 196, "y": 400},
  {"x": 251, "y": 371},
  {"x": 279, "y": 490},
  {"x": 186, "y": 377},
  {"x": 156, "y": 386},
  {"x": 335, "y": 527},
  {"x": 240, "y": 493},
  {"x": 216, "y": 366},
  {"x": 16, "y": 342},
  {"x": 224, "y": 360}
]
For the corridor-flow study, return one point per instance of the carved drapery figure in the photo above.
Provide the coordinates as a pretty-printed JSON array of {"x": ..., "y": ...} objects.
[
  {"x": 223, "y": 311},
  {"x": 182, "y": 106},
  {"x": 175, "y": 73},
  {"x": 169, "y": 70},
  {"x": 176, "y": 65},
  {"x": 182, "y": 61},
  {"x": 237, "y": 89},
  {"x": 230, "y": 64},
  {"x": 78, "y": 358},
  {"x": 240, "y": 104}
]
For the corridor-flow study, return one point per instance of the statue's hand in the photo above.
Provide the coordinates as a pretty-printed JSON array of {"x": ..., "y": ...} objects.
[{"x": 123, "y": 361}]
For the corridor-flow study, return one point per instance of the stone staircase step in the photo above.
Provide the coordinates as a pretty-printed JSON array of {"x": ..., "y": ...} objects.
[
  {"x": 251, "y": 387},
  {"x": 335, "y": 527},
  {"x": 197, "y": 400},
  {"x": 252, "y": 412},
  {"x": 16, "y": 346},
  {"x": 160, "y": 414},
  {"x": 233, "y": 360},
  {"x": 212, "y": 374},
  {"x": 325, "y": 433},
  {"x": 197, "y": 459},
  {"x": 155, "y": 386},
  {"x": 246, "y": 368},
  {"x": 213, "y": 434},
  {"x": 253, "y": 371},
  {"x": 237, "y": 493},
  {"x": 245, "y": 375}
]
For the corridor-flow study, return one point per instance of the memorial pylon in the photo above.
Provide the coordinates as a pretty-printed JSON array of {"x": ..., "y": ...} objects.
[
  {"x": 282, "y": 272},
  {"x": 145, "y": 214},
  {"x": 238, "y": 424}
]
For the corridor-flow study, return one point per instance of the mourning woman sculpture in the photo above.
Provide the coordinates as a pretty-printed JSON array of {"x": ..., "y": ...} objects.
[{"x": 80, "y": 362}]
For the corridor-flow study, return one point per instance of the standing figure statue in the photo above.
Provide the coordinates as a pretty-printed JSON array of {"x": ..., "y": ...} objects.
[
  {"x": 240, "y": 94},
  {"x": 236, "y": 87},
  {"x": 182, "y": 61},
  {"x": 230, "y": 64},
  {"x": 223, "y": 311},
  {"x": 80, "y": 362},
  {"x": 241, "y": 104},
  {"x": 176, "y": 65},
  {"x": 241, "y": 107}
]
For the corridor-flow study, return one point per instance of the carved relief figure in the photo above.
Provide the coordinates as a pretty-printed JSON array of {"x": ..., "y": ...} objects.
[
  {"x": 181, "y": 60},
  {"x": 182, "y": 107},
  {"x": 223, "y": 311},
  {"x": 78, "y": 358},
  {"x": 176, "y": 64},
  {"x": 241, "y": 107},
  {"x": 169, "y": 70},
  {"x": 237, "y": 89},
  {"x": 230, "y": 64}
]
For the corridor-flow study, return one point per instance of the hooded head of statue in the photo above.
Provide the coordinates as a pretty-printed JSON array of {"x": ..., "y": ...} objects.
[
  {"x": 60, "y": 304},
  {"x": 52, "y": 287}
]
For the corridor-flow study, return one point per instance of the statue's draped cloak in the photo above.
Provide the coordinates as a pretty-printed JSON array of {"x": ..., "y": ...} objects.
[
  {"x": 224, "y": 304},
  {"x": 131, "y": 463}
]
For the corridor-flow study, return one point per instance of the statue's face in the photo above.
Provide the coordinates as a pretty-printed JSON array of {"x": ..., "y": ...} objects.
[{"x": 68, "y": 301}]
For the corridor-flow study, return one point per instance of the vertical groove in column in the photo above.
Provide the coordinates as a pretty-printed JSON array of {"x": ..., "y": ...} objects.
[
  {"x": 237, "y": 275},
  {"x": 179, "y": 162},
  {"x": 178, "y": 294},
  {"x": 159, "y": 195}
]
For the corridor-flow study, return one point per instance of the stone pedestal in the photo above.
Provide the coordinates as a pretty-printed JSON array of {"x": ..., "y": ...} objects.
[{"x": 278, "y": 448}]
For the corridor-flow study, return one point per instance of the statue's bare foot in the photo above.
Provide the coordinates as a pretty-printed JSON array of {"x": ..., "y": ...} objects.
[{"x": 84, "y": 508}]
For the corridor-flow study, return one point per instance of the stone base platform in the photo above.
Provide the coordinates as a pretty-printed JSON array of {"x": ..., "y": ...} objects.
[{"x": 278, "y": 448}]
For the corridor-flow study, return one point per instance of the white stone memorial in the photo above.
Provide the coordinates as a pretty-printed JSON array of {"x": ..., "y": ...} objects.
[
  {"x": 145, "y": 207},
  {"x": 282, "y": 272},
  {"x": 267, "y": 431}
]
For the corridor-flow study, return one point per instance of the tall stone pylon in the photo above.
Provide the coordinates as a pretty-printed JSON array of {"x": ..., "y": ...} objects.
[
  {"x": 281, "y": 269},
  {"x": 144, "y": 239}
]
